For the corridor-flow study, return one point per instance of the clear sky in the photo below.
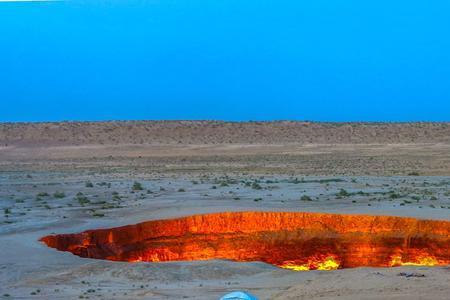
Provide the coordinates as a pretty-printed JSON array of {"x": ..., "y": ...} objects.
[{"x": 346, "y": 60}]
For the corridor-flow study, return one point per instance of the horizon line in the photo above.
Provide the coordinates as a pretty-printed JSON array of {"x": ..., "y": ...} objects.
[{"x": 224, "y": 121}]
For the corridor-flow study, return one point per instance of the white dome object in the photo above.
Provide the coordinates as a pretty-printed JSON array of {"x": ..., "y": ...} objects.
[{"x": 238, "y": 296}]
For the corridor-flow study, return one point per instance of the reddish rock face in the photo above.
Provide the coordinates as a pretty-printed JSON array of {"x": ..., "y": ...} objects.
[{"x": 293, "y": 240}]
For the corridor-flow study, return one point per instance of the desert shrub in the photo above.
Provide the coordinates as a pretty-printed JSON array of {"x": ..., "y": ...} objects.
[
  {"x": 137, "y": 186},
  {"x": 343, "y": 193},
  {"x": 59, "y": 195},
  {"x": 394, "y": 195},
  {"x": 413, "y": 174},
  {"x": 306, "y": 198},
  {"x": 82, "y": 199},
  {"x": 89, "y": 184},
  {"x": 256, "y": 186},
  {"x": 116, "y": 196}
]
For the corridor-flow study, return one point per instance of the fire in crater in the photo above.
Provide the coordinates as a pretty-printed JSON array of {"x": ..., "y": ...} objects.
[{"x": 297, "y": 241}]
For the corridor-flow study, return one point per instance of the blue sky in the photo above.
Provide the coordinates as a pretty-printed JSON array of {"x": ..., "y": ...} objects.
[{"x": 348, "y": 60}]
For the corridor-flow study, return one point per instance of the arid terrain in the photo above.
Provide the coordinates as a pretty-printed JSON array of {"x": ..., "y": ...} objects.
[{"x": 69, "y": 177}]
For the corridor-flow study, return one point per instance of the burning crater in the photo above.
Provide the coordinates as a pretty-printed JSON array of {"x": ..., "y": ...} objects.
[{"x": 293, "y": 240}]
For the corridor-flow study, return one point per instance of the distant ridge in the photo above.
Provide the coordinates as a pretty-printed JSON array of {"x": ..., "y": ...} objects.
[{"x": 219, "y": 132}]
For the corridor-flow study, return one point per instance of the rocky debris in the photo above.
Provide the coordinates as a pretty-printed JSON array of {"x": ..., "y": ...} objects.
[{"x": 412, "y": 274}]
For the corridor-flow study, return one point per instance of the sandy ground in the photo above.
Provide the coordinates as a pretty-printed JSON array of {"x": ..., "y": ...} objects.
[
  {"x": 292, "y": 159},
  {"x": 46, "y": 172},
  {"x": 219, "y": 132},
  {"x": 31, "y": 209}
]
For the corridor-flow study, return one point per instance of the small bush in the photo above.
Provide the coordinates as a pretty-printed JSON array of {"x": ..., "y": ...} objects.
[
  {"x": 256, "y": 186},
  {"x": 343, "y": 193},
  {"x": 137, "y": 186},
  {"x": 82, "y": 199},
  {"x": 89, "y": 184},
  {"x": 116, "y": 196},
  {"x": 306, "y": 198},
  {"x": 59, "y": 195},
  {"x": 394, "y": 195}
]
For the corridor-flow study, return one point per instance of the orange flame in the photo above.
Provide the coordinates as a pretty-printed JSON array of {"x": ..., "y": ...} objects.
[
  {"x": 326, "y": 264},
  {"x": 428, "y": 261},
  {"x": 291, "y": 240}
]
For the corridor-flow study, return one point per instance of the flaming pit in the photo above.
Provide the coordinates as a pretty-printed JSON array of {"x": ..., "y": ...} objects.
[{"x": 293, "y": 240}]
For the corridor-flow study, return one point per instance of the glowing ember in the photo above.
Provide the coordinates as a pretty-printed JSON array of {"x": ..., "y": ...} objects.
[
  {"x": 327, "y": 264},
  {"x": 418, "y": 261},
  {"x": 291, "y": 240}
]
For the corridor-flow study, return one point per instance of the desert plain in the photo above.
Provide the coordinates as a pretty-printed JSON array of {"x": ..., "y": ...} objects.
[{"x": 68, "y": 177}]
